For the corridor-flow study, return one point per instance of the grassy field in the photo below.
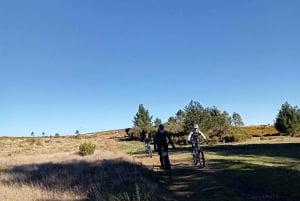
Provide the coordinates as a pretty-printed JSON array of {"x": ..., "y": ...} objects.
[{"x": 51, "y": 169}]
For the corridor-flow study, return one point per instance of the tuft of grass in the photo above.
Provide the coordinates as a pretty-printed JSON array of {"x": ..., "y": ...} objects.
[{"x": 87, "y": 148}]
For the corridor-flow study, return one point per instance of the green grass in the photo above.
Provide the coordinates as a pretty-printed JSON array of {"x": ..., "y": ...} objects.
[
  {"x": 130, "y": 146},
  {"x": 258, "y": 171},
  {"x": 238, "y": 173}
]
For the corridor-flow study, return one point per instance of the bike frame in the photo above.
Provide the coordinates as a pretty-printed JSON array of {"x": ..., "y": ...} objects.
[{"x": 198, "y": 155}]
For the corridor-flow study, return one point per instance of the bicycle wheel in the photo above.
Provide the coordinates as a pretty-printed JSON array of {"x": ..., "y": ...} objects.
[
  {"x": 167, "y": 167},
  {"x": 195, "y": 159},
  {"x": 201, "y": 159},
  {"x": 195, "y": 155}
]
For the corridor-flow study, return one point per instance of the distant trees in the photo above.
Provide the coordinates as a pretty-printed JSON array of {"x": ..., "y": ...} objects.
[
  {"x": 210, "y": 120},
  {"x": 215, "y": 123},
  {"x": 175, "y": 123},
  {"x": 156, "y": 122},
  {"x": 288, "y": 119},
  {"x": 195, "y": 113}
]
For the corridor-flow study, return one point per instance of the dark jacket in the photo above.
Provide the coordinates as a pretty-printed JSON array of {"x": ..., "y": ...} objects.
[{"x": 161, "y": 141}]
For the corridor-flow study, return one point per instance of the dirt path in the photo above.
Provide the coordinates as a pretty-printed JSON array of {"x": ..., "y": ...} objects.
[{"x": 188, "y": 182}]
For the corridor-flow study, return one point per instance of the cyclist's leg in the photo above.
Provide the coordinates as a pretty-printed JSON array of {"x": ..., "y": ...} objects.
[
  {"x": 193, "y": 149},
  {"x": 146, "y": 149},
  {"x": 167, "y": 161},
  {"x": 159, "y": 150}
]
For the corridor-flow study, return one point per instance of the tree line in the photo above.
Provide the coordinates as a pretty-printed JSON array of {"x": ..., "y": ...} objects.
[{"x": 217, "y": 125}]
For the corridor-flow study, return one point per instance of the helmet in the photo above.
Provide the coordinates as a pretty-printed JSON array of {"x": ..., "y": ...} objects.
[
  {"x": 161, "y": 127},
  {"x": 196, "y": 126}
]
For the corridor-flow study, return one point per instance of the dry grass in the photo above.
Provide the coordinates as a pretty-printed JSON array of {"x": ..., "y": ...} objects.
[
  {"x": 262, "y": 130},
  {"x": 51, "y": 169}
]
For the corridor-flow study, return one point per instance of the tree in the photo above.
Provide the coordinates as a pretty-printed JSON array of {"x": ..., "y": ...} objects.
[
  {"x": 156, "y": 122},
  {"x": 172, "y": 120},
  {"x": 142, "y": 119},
  {"x": 180, "y": 116},
  {"x": 77, "y": 132},
  {"x": 43, "y": 134},
  {"x": 32, "y": 134},
  {"x": 237, "y": 120},
  {"x": 195, "y": 114},
  {"x": 288, "y": 119}
]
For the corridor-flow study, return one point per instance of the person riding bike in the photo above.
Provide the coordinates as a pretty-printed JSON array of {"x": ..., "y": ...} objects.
[
  {"x": 147, "y": 141},
  {"x": 161, "y": 143},
  {"x": 193, "y": 137}
]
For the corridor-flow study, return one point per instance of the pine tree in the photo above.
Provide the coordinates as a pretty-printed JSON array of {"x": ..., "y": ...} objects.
[
  {"x": 288, "y": 119},
  {"x": 142, "y": 119}
]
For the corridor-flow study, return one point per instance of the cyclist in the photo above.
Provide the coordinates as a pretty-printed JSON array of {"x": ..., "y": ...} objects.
[
  {"x": 193, "y": 137},
  {"x": 147, "y": 141},
  {"x": 161, "y": 143}
]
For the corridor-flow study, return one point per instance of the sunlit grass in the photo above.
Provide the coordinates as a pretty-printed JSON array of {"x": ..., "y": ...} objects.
[
  {"x": 52, "y": 169},
  {"x": 266, "y": 161},
  {"x": 131, "y": 146}
]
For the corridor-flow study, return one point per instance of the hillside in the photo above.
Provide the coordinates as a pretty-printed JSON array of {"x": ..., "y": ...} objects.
[{"x": 260, "y": 130}]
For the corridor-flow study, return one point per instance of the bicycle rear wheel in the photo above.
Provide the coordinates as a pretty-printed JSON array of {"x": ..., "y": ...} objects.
[{"x": 167, "y": 167}]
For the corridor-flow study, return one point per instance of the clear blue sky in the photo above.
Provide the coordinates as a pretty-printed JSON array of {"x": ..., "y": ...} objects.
[{"x": 87, "y": 65}]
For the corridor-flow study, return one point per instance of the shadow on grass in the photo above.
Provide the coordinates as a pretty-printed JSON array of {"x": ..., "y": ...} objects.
[
  {"x": 99, "y": 180},
  {"x": 227, "y": 179},
  {"x": 287, "y": 150}
]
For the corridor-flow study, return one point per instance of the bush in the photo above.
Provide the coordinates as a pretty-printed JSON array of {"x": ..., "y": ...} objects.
[{"x": 87, "y": 148}]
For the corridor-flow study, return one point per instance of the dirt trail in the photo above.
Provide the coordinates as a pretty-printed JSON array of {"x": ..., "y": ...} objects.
[{"x": 188, "y": 181}]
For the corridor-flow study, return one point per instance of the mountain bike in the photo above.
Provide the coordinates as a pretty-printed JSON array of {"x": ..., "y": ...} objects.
[
  {"x": 198, "y": 155},
  {"x": 166, "y": 164},
  {"x": 148, "y": 150}
]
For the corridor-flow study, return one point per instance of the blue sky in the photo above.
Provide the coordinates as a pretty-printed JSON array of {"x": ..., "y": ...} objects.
[{"x": 71, "y": 65}]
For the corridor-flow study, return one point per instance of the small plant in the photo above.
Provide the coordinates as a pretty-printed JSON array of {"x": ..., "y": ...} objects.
[
  {"x": 87, "y": 148},
  {"x": 38, "y": 142}
]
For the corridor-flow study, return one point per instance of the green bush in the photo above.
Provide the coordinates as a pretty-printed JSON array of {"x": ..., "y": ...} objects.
[{"x": 87, "y": 148}]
